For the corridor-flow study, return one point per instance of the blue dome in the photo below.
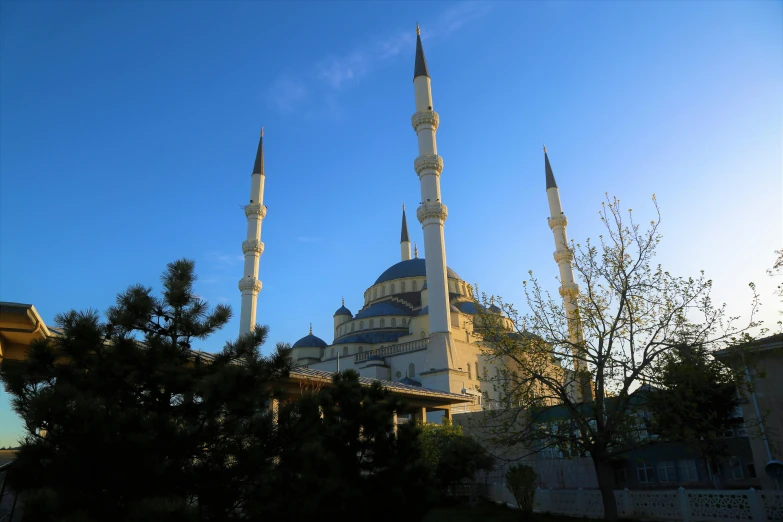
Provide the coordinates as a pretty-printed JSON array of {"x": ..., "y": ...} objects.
[
  {"x": 375, "y": 357},
  {"x": 383, "y": 336},
  {"x": 468, "y": 307},
  {"x": 387, "y": 307},
  {"x": 410, "y": 382},
  {"x": 343, "y": 311},
  {"x": 426, "y": 310},
  {"x": 410, "y": 268},
  {"x": 310, "y": 341}
]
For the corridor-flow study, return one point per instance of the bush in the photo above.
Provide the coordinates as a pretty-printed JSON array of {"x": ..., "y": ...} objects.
[{"x": 521, "y": 481}]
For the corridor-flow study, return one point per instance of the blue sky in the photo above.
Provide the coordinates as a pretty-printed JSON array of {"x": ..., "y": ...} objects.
[{"x": 128, "y": 133}]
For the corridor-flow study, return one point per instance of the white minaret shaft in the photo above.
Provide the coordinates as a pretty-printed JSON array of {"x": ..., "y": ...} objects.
[
  {"x": 405, "y": 242},
  {"x": 252, "y": 247},
  {"x": 569, "y": 290},
  {"x": 432, "y": 213}
]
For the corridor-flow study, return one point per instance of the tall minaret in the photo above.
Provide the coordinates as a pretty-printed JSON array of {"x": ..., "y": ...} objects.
[
  {"x": 405, "y": 242},
  {"x": 432, "y": 213},
  {"x": 569, "y": 290},
  {"x": 252, "y": 247}
]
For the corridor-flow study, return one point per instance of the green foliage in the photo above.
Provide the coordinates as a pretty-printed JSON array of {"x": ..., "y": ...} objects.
[
  {"x": 451, "y": 455},
  {"x": 696, "y": 400},
  {"x": 521, "y": 482},
  {"x": 340, "y": 459},
  {"x": 125, "y": 422}
]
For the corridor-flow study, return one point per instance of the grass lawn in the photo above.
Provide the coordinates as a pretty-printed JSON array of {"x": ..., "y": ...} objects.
[{"x": 488, "y": 511}]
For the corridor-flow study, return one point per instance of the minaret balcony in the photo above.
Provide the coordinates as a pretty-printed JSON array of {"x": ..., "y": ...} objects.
[
  {"x": 253, "y": 246},
  {"x": 430, "y": 211},
  {"x": 428, "y": 162},
  {"x": 564, "y": 256},
  {"x": 429, "y": 118},
  {"x": 558, "y": 221},
  {"x": 255, "y": 209},
  {"x": 249, "y": 284}
]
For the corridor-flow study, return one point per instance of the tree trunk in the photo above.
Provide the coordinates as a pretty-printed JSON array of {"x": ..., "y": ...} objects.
[{"x": 605, "y": 475}]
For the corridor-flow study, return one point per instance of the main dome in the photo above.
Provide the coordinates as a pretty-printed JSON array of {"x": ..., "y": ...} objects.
[{"x": 410, "y": 268}]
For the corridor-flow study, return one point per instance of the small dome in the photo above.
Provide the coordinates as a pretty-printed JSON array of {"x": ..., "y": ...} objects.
[
  {"x": 410, "y": 382},
  {"x": 343, "y": 311},
  {"x": 310, "y": 341},
  {"x": 375, "y": 357},
  {"x": 495, "y": 309}
]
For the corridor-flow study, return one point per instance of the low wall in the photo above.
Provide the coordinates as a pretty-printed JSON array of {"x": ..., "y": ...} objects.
[{"x": 688, "y": 505}]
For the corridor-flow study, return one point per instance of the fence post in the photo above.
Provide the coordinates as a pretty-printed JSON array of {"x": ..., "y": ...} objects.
[
  {"x": 755, "y": 505},
  {"x": 685, "y": 511},
  {"x": 628, "y": 504},
  {"x": 580, "y": 501}
]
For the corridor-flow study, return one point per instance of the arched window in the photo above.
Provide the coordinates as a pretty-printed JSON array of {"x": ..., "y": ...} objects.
[
  {"x": 332, "y": 352},
  {"x": 470, "y": 375},
  {"x": 383, "y": 289},
  {"x": 375, "y": 293},
  {"x": 383, "y": 323},
  {"x": 372, "y": 323},
  {"x": 361, "y": 325},
  {"x": 402, "y": 286},
  {"x": 478, "y": 374},
  {"x": 345, "y": 351},
  {"x": 352, "y": 326},
  {"x": 411, "y": 370},
  {"x": 393, "y": 322},
  {"x": 414, "y": 285},
  {"x": 392, "y": 288},
  {"x": 422, "y": 335},
  {"x": 361, "y": 349},
  {"x": 404, "y": 321}
]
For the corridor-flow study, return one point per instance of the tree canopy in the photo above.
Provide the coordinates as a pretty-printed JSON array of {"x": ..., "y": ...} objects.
[{"x": 629, "y": 314}]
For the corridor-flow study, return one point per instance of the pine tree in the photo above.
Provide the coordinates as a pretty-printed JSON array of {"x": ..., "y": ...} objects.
[{"x": 125, "y": 421}]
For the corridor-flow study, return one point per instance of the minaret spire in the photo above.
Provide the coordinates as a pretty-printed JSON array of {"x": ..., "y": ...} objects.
[
  {"x": 432, "y": 214},
  {"x": 569, "y": 290},
  {"x": 252, "y": 247},
  {"x": 405, "y": 242},
  {"x": 420, "y": 67}
]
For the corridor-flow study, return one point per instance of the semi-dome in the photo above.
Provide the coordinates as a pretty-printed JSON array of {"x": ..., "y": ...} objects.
[
  {"x": 410, "y": 268},
  {"x": 310, "y": 341}
]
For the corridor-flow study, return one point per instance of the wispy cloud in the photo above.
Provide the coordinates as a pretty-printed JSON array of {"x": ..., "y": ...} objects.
[{"x": 331, "y": 74}]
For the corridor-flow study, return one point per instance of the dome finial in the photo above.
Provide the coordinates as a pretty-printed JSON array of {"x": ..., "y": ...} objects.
[
  {"x": 311, "y": 328},
  {"x": 415, "y": 250},
  {"x": 418, "y": 29},
  {"x": 544, "y": 148},
  {"x": 262, "y": 132},
  {"x": 343, "y": 301}
]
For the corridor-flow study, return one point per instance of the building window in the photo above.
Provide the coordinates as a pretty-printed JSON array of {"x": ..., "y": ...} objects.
[
  {"x": 361, "y": 349},
  {"x": 372, "y": 323},
  {"x": 352, "y": 325},
  {"x": 687, "y": 470},
  {"x": 470, "y": 374},
  {"x": 478, "y": 374},
  {"x": 375, "y": 294},
  {"x": 644, "y": 472},
  {"x": 404, "y": 321},
  {"x": 402, "y": 286},
  {"x": 422, "y": 335},
  {"x": 411, "y": 370},
  {"x": 392, "y": 288},
  {"x": 414, "y": 285},
  {"x": 383, "y": 323},
  {"x": 384, "y": 290},
  {"x": 393, "y": 322},
  {"x": 361, "y": 325},
  {"x": 345, "y": 351},
  {"x": 736, "y": 468},
  {"x": 332, "y": 352},
  {"x": 666, "y": 471}
]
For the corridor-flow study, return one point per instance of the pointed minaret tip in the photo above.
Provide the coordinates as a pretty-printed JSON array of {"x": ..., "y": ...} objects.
[
  {"x": 420, "y": 68},
  {"x": 404, "y": 233},
  {"x": 311, "y": 328},
  {"x": 550, "y": 177},
  {"x": 258, "y": 166},
  {"x": 415, "y": 251}
]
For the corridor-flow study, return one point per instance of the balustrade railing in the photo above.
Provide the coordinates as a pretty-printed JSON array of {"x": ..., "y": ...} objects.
[{"x": 394, "y": 349}]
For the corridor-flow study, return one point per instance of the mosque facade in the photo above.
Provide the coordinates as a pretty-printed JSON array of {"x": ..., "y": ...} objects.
[{"x": 416, "y": 323}]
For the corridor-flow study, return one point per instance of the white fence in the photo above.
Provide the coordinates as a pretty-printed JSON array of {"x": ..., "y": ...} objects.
[{"x": 688, "y": 505}]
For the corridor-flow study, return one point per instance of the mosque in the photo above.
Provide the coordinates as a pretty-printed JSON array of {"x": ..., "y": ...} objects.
[{"x": 415, "y": 327}]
